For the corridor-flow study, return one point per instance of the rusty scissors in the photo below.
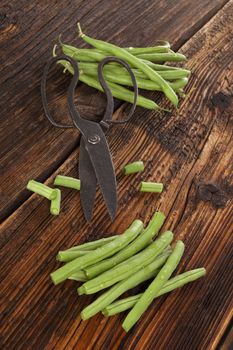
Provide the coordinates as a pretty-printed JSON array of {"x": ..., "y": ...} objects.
[{"x": 95, "y": 161}]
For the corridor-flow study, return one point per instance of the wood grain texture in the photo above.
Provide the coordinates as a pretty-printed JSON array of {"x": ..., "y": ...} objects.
[
  {"x": 187, "y": 150},
  {"x": 29, "y": 145}
]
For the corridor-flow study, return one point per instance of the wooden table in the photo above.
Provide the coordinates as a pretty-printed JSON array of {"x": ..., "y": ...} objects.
[{"x": 186, "y": 150}]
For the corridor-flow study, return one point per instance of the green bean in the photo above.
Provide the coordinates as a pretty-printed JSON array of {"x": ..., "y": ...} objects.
[
  {"x": 56, "y": 203},
  {"x": 172, "y": 284},
  {"x": 97, "y": 255},
  {"x": 145, "y": 84},
  {"x": 142, "y": 83},
  {"x": 92, "y": 68},
  {"x": 133, "y": 168},
  {"x": 129, "y": 266},
  {"x": 159, "y": 67},
  {"x": 122, "y": 305},
  {"x": 89, "y": 68},
  {"x": 154, "y": 288},
  {"x": 151, "y": 187},
  {"x": 162, "y": 57},
  {"x": 121, "y": 287},
  {"x": 67, "y": 181},
  {"x": 93, "y": 244},
  {"x": 41, "y": 189},
  {"x": 66, "y": 256},
  {"x": 134, "y": 61},
  {"x": 143, "y": 50},
  {"x": 158, "y": 48},
  {"x": 87, "y": 55},
  {"x": 78, "y": 276},
  {"x": 175, "y": 74},
  {"x": 117, "y": 91},
  {"x": 138, "y": 244},
  {"x": 168, "y": 74}
]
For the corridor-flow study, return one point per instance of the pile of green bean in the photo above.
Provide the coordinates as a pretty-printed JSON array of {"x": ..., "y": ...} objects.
[
  {"x": 121, "y": 263},
  {"x": 149, "y": 75}
]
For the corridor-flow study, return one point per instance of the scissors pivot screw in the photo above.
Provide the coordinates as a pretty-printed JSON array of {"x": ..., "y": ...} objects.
[{"x": 94, "y": 139}]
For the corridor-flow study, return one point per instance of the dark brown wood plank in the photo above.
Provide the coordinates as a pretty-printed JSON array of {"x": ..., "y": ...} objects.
[
  {"x": 185, "y": 150},
  {"x": 30, "y": 147}
]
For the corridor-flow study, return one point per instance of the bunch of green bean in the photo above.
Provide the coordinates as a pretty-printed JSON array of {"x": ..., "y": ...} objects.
[
  {"x": 149, "y": 75},
  {"x": 122, "y": 262}
]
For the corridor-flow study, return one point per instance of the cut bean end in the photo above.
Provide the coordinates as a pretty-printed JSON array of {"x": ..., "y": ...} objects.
[
  {"x": 134, "y": 167},
  {"x": 56, "y": 203},
  {"x": 151, "y": 187}
]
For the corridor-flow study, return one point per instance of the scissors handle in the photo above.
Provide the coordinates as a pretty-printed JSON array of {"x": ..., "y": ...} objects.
[
  {"x": 107, "y": 118},
  {"x": 43, "y": 87},
  {"x": 84, "y": 125},
  {"x": 76, "y": 119}
]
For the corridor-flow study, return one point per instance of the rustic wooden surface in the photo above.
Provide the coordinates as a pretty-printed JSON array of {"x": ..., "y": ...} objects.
[
  {"x": 187, "y": 150},
  {"x": 31, "y": 30}
]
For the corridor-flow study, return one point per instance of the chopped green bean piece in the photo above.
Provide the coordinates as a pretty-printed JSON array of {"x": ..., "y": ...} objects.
[
  {"x": 67, "y": 181},
  {"x": 134, "y": 167},
  {"x": 56, "y": 203},
  {"x": 151, "y": 187},
  {"x": 41, "y": 189}
]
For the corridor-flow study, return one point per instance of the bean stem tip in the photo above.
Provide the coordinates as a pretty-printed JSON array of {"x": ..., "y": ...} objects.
[
  {"x": 54, "y": 50},
  {"x": 80, "y": 30}
]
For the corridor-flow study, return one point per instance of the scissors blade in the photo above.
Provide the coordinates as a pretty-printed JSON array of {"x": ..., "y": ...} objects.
[
  {"x": 88, "y": 182},
  {"x": 100, "y": 157}
]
